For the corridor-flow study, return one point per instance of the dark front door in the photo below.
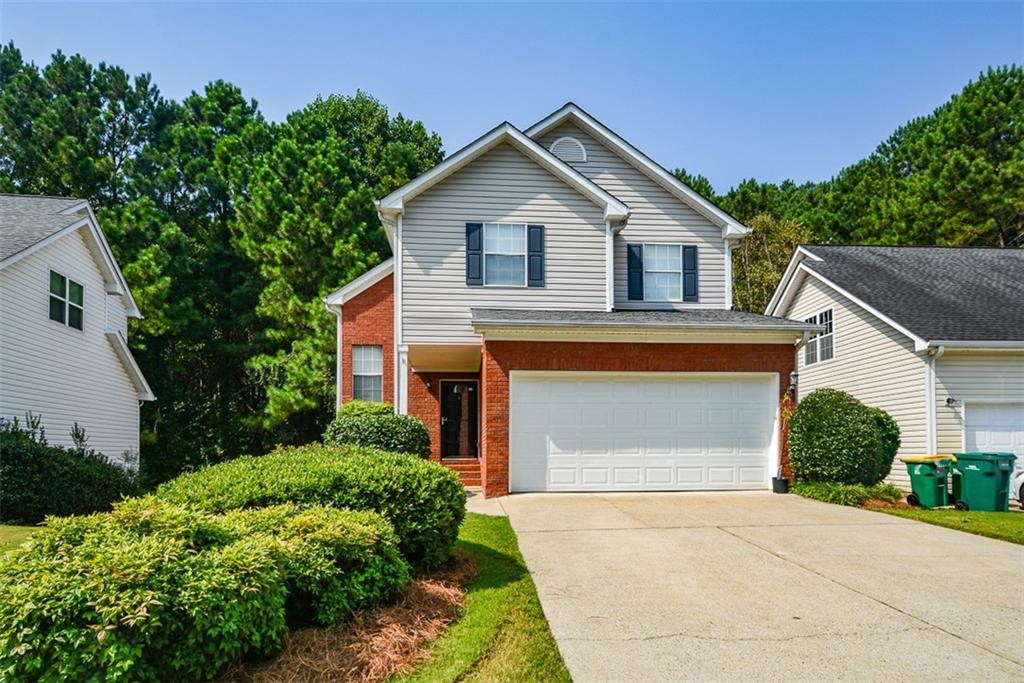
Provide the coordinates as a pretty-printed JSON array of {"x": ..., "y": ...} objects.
[{"x": 459, "y": 419}]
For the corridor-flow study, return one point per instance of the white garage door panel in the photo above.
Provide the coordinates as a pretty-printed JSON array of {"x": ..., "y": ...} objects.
[
  {"x": 995, "y": 427},
  {"x": 625, "y": 432}
]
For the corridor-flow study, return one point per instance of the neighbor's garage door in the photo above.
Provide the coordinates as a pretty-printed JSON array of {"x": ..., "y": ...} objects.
[
  {"x": 994, "y": 427},
  {"x": 629, "y": 432}
]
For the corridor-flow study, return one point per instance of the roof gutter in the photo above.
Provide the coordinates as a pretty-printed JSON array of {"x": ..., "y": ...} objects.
[
  {"x": 633, "y": 325},
  {"x": 980, "y": 344}
]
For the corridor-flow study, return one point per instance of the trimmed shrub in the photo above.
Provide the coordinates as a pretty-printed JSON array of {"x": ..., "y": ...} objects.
[
  {"x": 855, "y": 495},
  {"x": 386, "y": 431},
  {"x": 424, "y": 501},
  {"x": 153, "y": 591},
  {"x": 334, "y": 561},
  {"x": 889, "y": 433},
  {"x": 147, "y": 594},
  {"x": 834, "y": 437},
  {"x": 361, "y": 407},
  {"x": 39, "y": 479}
]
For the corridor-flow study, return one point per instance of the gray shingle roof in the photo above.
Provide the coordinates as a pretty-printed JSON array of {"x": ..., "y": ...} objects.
[
  {"x": 693, "y": 318},
  {"x": 27, "y": 219},
  {"x": 938, "y": 293}
]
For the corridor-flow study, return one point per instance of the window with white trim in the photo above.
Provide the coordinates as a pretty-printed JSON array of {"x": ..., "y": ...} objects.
[
  {"x": 368, "y": 373},
  {"x": 67, "y": 301},
  {"x": 820, "y": 346},
  {"x": 505, "y": 254},
  {"x": 663, "y": 272}
]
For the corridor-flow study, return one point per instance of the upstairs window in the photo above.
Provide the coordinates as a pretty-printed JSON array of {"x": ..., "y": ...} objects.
[
  {"x": 368, "y": 373},
  {"x": 67, "y": 301},
  {"x": 662, "y": 273},
  {"x": 820, "y": 346},
  {"x": 505, "y": 254}
]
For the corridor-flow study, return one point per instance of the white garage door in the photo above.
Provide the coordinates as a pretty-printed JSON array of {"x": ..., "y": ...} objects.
[
  {"x": 630, "y": 432},
  {"x": 995, "y": 427}
]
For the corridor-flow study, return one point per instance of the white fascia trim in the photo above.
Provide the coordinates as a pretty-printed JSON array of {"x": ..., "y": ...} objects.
[
  {"x": 360, "y": 284},
  {"x": 782, "y": 292},
  {"x": 960, "y": 344},
  {"x": 120, "y": 345},
  {"x": 919, "y": 343},
  {"x": 731, "y": 228},
  {"x": 394, "y": 203},
  {"x": 113, "y": 278}
]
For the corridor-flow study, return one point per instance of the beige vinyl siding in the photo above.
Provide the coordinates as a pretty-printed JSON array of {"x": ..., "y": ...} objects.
[
  {"x": 117, "y": 317},
  {"x": 655, "y": 216},
  {"x": 62, "y": 374},
  {"x": 501, "y": 186},
  {"x": 873, "y": 361},
  {"x": 972, "y": 376}
]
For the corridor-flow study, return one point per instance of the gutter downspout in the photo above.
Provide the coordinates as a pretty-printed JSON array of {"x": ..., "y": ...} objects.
[
  {"x": 795, "y": 379},
  {"x": 934, "y": 353},
  {"x": 337, "y": 361}
]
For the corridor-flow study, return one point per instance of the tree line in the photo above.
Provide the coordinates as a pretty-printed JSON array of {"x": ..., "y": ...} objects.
[{"x": 231, "y": 228}]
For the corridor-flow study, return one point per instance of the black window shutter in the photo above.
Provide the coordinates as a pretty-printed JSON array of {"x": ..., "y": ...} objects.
[
  {"x": 535, "y": 255},
  {"x": 635, "y": 271},
  {"x": 689, "y": 273},
  {"x": 474, "y": 253}
]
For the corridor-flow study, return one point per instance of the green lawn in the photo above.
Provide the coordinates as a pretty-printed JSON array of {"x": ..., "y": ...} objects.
[
  {"x": 11, "y": 536},
  {"x": 502, "y": 634},
  {"x": 1006, "y": 526}
]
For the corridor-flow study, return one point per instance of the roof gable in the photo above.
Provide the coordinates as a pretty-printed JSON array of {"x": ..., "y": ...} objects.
[
  {"x": 932, "y": 294},
  {"x": 31, "y": 222},
  {"x": 731, "y": 228},
  {"x": 394, "y": 203}
]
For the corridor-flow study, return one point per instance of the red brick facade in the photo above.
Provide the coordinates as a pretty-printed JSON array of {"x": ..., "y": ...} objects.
[
  {"x": 501, "y": 357},
  {"x": 369, "y": 318}
]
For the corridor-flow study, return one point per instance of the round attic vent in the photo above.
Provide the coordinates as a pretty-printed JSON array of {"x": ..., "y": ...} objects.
[{"x": 569, "y": 150}]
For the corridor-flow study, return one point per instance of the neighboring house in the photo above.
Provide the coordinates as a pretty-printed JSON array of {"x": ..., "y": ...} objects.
[
  {"x": 558, "y": 314},
  {"x": 933, "y": 335},
  {"x": 64, "y": 309}
]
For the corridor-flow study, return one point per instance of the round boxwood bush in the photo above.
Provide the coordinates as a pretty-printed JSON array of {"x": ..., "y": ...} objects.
[
  {"x": 424, "y": 501},
  {"x": 834, "y": 437},
  {"x": 386, "y": 431},
  {"x": 889, "y": 433},
  {"x": 361, "y": 407}
]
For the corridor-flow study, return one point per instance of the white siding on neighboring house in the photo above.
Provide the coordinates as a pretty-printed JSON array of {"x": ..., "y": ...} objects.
[
  {"x": 873, "y": 362},
  {"x": 973, "y": 376},
  {"x": 117, "y": 318},
  {"x": 501, "y": 186},
  {"x": 63, "y": 374},
  {"x": 655, "y": 216}
]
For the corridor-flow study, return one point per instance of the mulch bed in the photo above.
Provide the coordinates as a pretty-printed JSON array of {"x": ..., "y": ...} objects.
[
  {"x": 879, "y": 504},
  {"x": 376, "y": 644}
]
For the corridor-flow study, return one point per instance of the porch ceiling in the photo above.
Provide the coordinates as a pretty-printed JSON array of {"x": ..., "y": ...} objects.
[{"x": 445, "y": 357}]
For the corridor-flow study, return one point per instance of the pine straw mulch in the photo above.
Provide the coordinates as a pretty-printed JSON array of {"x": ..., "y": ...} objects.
[
  {"x": 376, "y": 644},
  {"x": 880, "y": 504}
]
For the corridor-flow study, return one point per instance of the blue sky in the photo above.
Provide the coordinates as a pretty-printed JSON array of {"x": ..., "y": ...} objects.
[{"x": 771, "y": 91}]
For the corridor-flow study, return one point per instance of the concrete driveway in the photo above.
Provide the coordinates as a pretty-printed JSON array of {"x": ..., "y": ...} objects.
[{"x": 753, "y": 587}]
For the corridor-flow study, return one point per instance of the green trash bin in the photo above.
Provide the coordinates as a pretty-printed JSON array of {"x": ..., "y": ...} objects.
[
  {"x": 928, "y": 480},
  {"x": 984, "y": 481}
]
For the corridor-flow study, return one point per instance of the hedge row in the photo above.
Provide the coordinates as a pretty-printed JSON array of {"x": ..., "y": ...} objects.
[
  {"x": 423, "y": 501},
  {"x": 40, "y": 479},
  {"x": 373, "y": 428},
  {"x": 153, "y": 591}
]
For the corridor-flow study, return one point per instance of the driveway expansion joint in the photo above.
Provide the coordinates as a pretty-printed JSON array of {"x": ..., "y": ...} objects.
[{"x": 722, "y": 639}]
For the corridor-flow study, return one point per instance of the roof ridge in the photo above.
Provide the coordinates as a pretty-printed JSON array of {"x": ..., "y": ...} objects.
[{"x": 42, "y": 196}]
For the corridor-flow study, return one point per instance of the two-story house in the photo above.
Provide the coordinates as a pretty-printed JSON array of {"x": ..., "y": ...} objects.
[
  {"x": 558, "y": 313},
  {"x": 64, "y": 310}
]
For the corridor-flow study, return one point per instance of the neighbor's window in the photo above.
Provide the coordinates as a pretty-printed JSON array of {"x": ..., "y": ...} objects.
[
  {"x": 67, "y": 301},
  {"x": 368, "y": 373},
  {"x": 663, "y": 272},
  {"x": 505, "y": 254},
  {"x": 820, "y": 347}
]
